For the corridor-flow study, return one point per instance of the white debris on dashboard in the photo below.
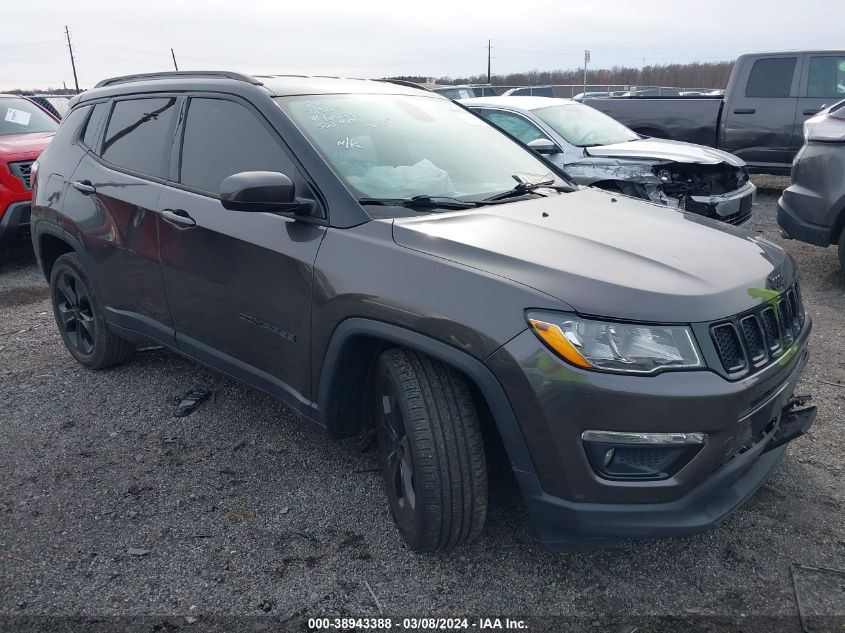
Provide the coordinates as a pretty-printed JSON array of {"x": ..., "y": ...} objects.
[{"x": 421, "y": 178}]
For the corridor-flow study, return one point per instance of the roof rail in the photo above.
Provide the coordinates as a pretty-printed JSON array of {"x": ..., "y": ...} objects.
[
  {"x": 403, "y": 82},
  {"x": 179, "y": 74}
]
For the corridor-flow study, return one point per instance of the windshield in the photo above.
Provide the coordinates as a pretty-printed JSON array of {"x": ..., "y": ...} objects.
[
  {"x": 400, "y": 146},
  {"x": 584, "y": 126},
  {"x": 20, "y": 116}
]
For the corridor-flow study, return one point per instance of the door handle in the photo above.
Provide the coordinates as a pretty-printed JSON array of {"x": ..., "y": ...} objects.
[
  {"x": 178, "y": 217},
  {"x": 811, "y": 112},
  {"x": 745, "y": 111},
  {"x": 84, "y": 187}
]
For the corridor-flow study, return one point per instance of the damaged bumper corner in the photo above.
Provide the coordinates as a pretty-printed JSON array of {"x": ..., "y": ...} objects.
[{"x": 734, "y": 206}]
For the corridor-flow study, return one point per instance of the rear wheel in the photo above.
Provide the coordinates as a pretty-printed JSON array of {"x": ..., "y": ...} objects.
[
  {"x": 430, "y": 449},
  {"x": 80, "y": 319}
]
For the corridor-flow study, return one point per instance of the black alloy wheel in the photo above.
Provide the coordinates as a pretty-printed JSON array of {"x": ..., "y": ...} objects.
[
  {"x": 431, "y": 450},
  {"x": 395, "y": 453},
  {"x": 75, "y": 314},
  {"x": 79, "y": 317}
]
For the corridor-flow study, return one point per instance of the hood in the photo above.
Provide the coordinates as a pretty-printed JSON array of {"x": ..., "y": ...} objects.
[
  {"x": 607, "y": 255},
  {"x": 33, "y": 143},
  {"x": 662, "y": 149}
]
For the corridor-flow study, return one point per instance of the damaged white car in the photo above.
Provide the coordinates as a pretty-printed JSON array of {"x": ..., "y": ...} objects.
[{"x": 596, "y": 150}]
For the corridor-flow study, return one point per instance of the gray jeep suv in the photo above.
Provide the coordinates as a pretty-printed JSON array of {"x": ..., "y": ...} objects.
[{"x": 383, "y": 260}]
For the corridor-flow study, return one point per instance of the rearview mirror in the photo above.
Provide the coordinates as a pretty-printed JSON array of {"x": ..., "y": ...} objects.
[
  {"x": 544, "y": 146},
  {"x": 261, "y": 191}
]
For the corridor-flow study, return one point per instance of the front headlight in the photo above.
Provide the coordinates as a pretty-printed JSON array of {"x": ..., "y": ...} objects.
[{"x": 618, "y": 347}]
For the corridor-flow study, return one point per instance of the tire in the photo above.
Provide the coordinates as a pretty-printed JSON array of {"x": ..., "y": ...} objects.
[
  {"x": 79, "y": 317},
  {"x": 431, "y": 450}
]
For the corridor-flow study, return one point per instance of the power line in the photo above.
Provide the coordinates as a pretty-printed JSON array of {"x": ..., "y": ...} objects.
[
  {"x": 157, "y": 53},
  {"x": 31, "y": 43},
  {"x": 6, "y": 60}
]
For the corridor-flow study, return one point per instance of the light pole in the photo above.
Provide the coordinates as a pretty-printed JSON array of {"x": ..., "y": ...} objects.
[{"x": 586, "y": 61}]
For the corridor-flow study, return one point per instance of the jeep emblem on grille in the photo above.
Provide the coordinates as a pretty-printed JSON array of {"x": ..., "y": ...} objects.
[{"x": 776, "y": 281}]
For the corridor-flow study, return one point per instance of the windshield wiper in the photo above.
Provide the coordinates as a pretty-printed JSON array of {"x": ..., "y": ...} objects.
[
  {"x": 522, "y": 187},
  {"x": 421, "y": 202}
]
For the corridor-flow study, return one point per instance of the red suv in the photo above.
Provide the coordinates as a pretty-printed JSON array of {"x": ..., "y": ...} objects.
[{"x": 25, "y": 131}]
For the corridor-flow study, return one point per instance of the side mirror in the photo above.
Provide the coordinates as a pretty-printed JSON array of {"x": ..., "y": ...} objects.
[
  {"x": 544, "y": 146},
  {"x": 261, "y": 191}
]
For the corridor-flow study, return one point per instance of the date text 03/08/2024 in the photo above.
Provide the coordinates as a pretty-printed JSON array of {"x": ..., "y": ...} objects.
[{"x": 423, "y": 624}]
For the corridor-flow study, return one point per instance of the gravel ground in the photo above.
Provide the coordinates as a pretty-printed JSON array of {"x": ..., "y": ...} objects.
[{"x": 111, "y": 506}]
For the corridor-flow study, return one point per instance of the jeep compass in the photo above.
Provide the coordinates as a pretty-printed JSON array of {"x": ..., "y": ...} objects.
[{"x": 385, "y": 261}]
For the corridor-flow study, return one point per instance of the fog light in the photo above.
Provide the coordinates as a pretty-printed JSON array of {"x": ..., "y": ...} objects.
[{"x": 640, "y": 456}]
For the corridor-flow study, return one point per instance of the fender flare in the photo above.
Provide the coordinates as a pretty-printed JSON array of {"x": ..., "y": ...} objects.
[
  {"x": 474, "y": 369},
  {"x": 42, "y": 228}
]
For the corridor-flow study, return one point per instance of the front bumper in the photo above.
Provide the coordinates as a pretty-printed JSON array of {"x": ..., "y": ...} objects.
[
  {"x": 809, "y": 209},
  {"x": 14, "y": 221},
  {"x": 799, "y": 229},
  {"x": 572, "y": 507},
  {"x": 733, "y": 207}
]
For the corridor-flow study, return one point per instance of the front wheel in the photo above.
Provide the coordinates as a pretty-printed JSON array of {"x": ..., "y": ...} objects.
[
  {"x": 80, "y": 319},
  {"x": 430, "y": 449}
]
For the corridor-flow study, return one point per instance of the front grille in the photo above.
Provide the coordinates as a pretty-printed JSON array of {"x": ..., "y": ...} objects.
[
  {"x": 729, "y": 347},
  {"x": 770, "y": 327},
  {"x": 752, "y": 332},
  {"x": 749, "y": 341},
  {"x": 22, "y": 171},
  {"x": 785, "y": 319}
]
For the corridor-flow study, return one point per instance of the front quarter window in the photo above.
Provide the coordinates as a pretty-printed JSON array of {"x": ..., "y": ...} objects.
[{"x": 400, "y": 146}]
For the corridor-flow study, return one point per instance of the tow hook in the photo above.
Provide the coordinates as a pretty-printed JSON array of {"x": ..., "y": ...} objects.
[
  {"x": 795, "y": 420},
  {"x": 796, "y": 402}
]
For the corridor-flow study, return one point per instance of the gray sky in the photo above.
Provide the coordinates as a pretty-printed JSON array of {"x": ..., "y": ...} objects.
[{"x": 392, "y": 37}]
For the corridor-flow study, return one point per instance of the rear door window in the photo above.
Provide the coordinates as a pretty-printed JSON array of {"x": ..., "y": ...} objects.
[
  {"x": 139, "y": 135},
  {"x": 827, "y": 77},
  {"x": 223, "y": 138},
  {"x": 771, "y": 77}
]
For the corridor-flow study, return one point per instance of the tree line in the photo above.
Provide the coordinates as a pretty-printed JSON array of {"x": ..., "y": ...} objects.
[{"x": 691, "y": 75}]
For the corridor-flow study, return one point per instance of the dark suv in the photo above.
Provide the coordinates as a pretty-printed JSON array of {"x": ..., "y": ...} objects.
[{"x": 382, "y": 259}]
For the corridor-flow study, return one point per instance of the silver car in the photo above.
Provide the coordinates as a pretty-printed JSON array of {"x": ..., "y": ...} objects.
[{"x": 599, "y": 151}]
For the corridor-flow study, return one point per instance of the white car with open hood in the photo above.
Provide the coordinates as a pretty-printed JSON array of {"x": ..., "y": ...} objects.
[{"x": 596, "y": 150}]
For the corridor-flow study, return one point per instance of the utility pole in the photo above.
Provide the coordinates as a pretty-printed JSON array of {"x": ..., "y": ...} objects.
[
  {"x": 488, "y": 61},
  {"x": 72, "y": 62},
  {"x": 586, "y": 61},
  {"x": 173, "y": 55}
]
